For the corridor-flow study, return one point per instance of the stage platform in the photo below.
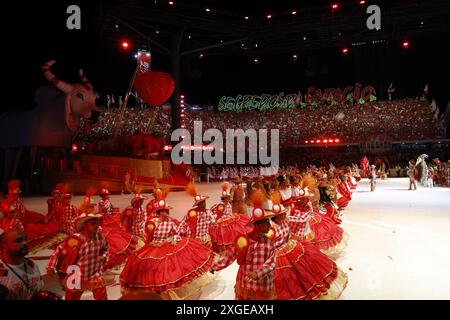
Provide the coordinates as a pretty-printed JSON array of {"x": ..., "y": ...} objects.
[{"x": 398, "y": 246}]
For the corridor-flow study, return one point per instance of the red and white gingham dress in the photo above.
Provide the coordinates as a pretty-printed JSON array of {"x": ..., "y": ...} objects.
[
  {"x": 282, "y": 235},
  {"x": 17, "y": 216},
  {"x": 204, "y": 220},
  {"x": 89, "y": 256},
  {"x": 105, "y": 207},
  {"x": 66, "y": 219},
  {"x": 139, "y": 220},
  {"x": 299, "y": 220},
  {"x": 228, "y": 211},
  {"x": 259, "y": 259},
  {"x": 165, "y": 229}
]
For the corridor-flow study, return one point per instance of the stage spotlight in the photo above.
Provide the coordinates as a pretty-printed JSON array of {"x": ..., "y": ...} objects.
[
  {"x": 336, "y": 140},
  {"x": 171, "y": 3},
  {"x": 295, "y": 57},
  {"x": 405, "y": 44},
  {"x": 345, "y": 51},
  {"x": 182, "y": 96},
  {"x": 201, "y": 55},
  {"x": 125, "y": 44},
  {"x": 269, "y": 16},
  {"x": 325, "y": 141},
  {"x": 294, "y": 13},
  {"x": 306, "y": 141},
  {"x": 256, "y": 61},
  {"x": 74, "y": 148},
  {"x": 246, "y": 18},
  {"x": 362, "y": 2},
  {"x": 317, "y": 141},
  {"x": 208, "y": 10},
  {"x": 334, "y": 6}
]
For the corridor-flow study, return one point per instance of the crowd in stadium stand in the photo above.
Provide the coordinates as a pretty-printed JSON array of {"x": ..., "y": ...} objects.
[
  {"x": 398, "y": 120},
  {"x": 406, "y": 119}
]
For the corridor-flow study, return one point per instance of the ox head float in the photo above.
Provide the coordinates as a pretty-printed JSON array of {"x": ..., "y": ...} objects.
[{"x": 80, "y": 97}]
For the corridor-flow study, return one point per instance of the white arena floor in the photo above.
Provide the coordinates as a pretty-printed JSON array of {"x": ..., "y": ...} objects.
[{"x": 398, "y": 247}]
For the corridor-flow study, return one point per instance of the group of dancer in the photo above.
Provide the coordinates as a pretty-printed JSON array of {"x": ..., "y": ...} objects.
[{"x": 283, "y": 232}]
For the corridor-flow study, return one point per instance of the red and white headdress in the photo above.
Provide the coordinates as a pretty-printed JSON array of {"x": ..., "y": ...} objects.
[
  {"x": 192, "y": 190},
  {"x": 225, "y": 190},
  {"x": 161, "y": 202}
]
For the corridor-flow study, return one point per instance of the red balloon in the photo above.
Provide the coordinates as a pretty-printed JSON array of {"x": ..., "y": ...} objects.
[{"x": 154, "y": 87}]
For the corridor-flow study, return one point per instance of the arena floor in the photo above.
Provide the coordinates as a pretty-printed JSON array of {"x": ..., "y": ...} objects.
[{"x": 398, "y": 246}]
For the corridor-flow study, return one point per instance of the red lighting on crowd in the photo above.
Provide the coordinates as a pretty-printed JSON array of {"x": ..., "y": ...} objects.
[
  {"x": 345, "y": 51},
  {"x": 405, "y": 44}
]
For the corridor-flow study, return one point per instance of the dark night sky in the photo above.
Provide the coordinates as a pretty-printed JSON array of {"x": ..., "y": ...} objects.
[{"x": 36, "y": 32}]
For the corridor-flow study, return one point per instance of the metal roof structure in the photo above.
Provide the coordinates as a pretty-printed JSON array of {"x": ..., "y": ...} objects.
[{"x": 224, "y": 30}]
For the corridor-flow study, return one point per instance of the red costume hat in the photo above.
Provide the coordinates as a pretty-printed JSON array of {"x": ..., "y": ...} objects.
[
  {"x": 225, "y": 190},
  {"x": 138, "y": 197},
  {"x": 277, "y": 208},
  {"x": 258, "y": 212},
  {"x": 14, "y": 187},
  {"x": 192, "y": 190},
  {"x": 161, "y": 202},
  {"x": 83, "y": 218},
  {"x": 104, "y": 192}
]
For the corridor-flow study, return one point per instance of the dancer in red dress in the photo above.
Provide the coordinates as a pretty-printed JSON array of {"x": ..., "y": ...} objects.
[
  {"x": 88, "y": 249},
  {"x": 17, "y": 217},
  {"x": 170, "y": 265},
  {"x": 343, "y": 193},
  {"x": 302, "y": 271},
  {"x": 111, "y": 215},
  {"x": 196, "y": 222},
  {"x": 255, "y": 254},
  {"x": 134, "y": 218},
  {"x": 151, "y": 205},
  {"x": 309, "y": 225},
  {"x": 228, "y": 225}
]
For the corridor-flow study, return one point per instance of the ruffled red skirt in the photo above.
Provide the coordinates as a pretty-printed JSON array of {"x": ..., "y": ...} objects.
[
  {"x": 343, "y": 202},
  {"x": 302, "y": 272},
  {"x": 121, "y": 245},
  {"x": 162, "y": 267},
  {"x": 331, "y": 212},
  {"x": 327, "y": 234},
  {"x": 112, "y": 221},
  {"x": 225, "y": 231}
]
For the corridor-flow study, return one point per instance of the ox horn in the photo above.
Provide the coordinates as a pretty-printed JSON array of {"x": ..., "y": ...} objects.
[
  {"x": 61, "y": 85},
  {"x": 83, "y": 78}
]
